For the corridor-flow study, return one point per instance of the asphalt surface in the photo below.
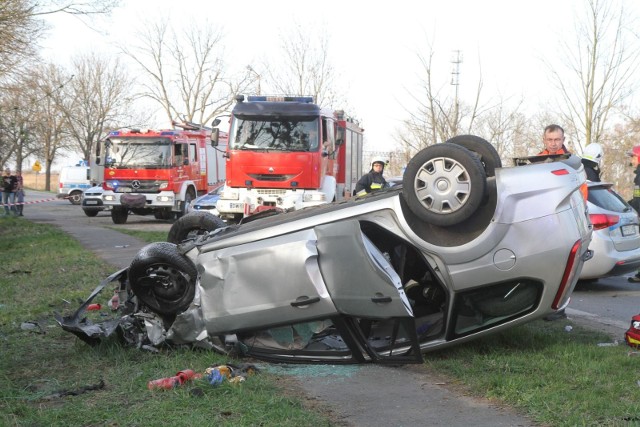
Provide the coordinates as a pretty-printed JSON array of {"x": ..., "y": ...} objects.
[{"x": 362, "y": 395}]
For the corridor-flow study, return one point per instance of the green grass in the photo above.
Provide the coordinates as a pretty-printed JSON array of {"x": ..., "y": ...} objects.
[
  {"x": 41, "y": 274},
  {"x": 558, "y": 378}
]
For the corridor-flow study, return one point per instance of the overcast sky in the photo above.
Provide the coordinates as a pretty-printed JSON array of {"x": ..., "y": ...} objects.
[{"x": 373, "y": 46}]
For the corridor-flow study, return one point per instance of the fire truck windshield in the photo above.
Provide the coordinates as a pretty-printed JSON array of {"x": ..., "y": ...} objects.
[
  {"x": 289, "y": 134},
  {"x": 138, "y": 152}
]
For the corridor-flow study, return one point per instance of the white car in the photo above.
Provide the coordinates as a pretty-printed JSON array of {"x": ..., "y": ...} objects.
[
  {"x": 460, "y": 250},
  {"x": 616, "y": 239},
  {"x": 92, "y": 201}
]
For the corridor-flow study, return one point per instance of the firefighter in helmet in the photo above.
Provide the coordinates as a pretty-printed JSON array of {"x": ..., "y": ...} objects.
[
  {"x": 373, "y": 180},
  {"x": 591, "y": 160}
]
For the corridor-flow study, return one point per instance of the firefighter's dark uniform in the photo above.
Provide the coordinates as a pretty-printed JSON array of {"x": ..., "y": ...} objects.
[{"x": 372, "y": 181}]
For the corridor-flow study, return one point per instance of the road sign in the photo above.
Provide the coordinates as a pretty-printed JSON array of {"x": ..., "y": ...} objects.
[{"x": 37, "y": 167}]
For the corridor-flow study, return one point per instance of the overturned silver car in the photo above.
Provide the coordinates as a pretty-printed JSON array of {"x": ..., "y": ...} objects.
[{"x": 463, "y": 248}]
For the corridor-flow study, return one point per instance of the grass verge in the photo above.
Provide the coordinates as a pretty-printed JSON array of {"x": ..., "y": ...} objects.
[{"x": 41, "y": 274}]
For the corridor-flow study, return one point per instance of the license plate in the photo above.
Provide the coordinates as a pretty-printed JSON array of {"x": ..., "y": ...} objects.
[
  {"x": 90, "y": 202},
  {"x": 236, "y": 205},
  {"x": 629, "y": 230}
]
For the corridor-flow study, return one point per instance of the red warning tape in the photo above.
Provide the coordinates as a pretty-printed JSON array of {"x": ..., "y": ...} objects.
[{"x": 31, "y": 203}]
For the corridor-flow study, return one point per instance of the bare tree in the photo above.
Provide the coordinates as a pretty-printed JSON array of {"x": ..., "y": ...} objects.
[
  {"x": 604, "y": 65},
  {"x": 98, "y": 98},
  {"x": 187, "y": 72},
  {"x": 305, "y": 68},
  {"x": 439, "y": 114},
  {"x": 21, "y": 25}
]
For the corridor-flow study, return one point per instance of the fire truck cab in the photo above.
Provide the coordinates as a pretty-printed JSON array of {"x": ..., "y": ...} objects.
[
  {"x": 157, "y": 171},
  {"x": 287, "y": 153}
]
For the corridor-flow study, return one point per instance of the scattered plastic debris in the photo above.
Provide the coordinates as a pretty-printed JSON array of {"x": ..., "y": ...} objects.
[
  {"x": 173, "y": 382},
  {"x": 608, "y": 344},
  {"x": 633, "y": 353},
  {"x": 94, "y": 307},
  {"x": 568, "y": 328},
  {"x": 216, "y": 375}
]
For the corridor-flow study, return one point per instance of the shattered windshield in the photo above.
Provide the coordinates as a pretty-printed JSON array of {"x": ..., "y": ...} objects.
[
  {"x": 139, "y": 153},
  {"x": 290, "y": 134}
]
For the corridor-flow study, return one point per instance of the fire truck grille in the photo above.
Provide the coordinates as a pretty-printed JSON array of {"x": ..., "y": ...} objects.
[
  {"x": 260, "y": 177},
  {"x": 135, "y": 186},
  {"x": 274, "y": 192}
]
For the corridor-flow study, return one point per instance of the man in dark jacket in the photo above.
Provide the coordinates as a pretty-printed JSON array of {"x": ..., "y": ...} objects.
[
  {"x": 9, "y": 187},
  {"x": 373, "y": 180}
]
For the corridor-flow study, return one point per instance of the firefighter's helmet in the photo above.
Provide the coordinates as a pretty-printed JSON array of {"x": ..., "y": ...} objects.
[
  {"x": 593, "y": 152},
  {"x": 380, "y": 160},
  {"x": 634, "y": 152}
]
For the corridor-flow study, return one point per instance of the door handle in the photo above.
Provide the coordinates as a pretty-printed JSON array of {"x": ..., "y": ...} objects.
[
  {"x": 302, "y": 301},
  {"x": 381, "y": 299}
]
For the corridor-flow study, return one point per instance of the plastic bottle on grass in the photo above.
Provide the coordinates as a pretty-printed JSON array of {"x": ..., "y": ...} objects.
[{"x": 172, "y": 382}]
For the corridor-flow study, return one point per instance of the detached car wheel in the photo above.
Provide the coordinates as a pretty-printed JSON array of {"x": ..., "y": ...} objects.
[
  {"x": 489, "y": 156},
  {"x": 444, "y": 184},
  {"x": 193, "y": 225},
  {"x": 163, "y": 279}
]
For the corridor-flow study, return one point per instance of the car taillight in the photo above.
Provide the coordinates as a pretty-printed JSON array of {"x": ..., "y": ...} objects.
[
  {"x": 568, "y": 276},
  {"x": 601, "y": 221}
]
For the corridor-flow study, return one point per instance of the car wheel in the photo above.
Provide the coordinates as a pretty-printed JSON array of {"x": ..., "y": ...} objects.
[
  {"x": 163, "y": 279},
  {"x": 90, "y": 212},
  {"x": 119, "y": 215},
  {"x": 489, "y": 156},
  {"x": 188, "y": 198},
  {"x": 444, "y": 184},
  {"x": 192, "y": 225},
  {"x": 75, "y": 197}
]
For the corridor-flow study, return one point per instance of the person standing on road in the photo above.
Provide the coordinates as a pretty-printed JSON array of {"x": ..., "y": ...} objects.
[
  {"x": 591, "y": 160},
  {"x": 635, "y": 201},
  {"x": 553, "y": 139},
  {"x": 373, "y": 180},
  {"x": 20, "y": 194},
  {"x": 9, "y": 185}
]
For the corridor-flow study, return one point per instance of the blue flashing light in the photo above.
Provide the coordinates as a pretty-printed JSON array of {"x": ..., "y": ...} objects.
[
  {"x": 303, "y": 99},
  {"x": 114, "y": 133},
  {"x": 294, "y": 183},
  {"x": 167, "y": 132},
  {"x": 248, "y": 183}
]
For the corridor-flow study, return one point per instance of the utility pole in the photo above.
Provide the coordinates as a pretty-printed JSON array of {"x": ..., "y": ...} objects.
[{"x": 456, "y": 60}]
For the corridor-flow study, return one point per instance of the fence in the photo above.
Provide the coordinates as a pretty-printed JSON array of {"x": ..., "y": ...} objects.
[{"x": 37, "y": 181}]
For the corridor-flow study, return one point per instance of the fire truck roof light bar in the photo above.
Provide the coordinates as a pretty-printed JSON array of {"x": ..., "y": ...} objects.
[{"x": 304, "y": 99}]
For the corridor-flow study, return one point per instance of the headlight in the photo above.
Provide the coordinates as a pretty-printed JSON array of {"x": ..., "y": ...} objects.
[{"x": 163, "y": 185}]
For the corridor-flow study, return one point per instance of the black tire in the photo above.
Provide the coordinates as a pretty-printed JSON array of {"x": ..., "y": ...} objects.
[
  {"x": 90, "y": 212},
  {"x": 489, "y": 156},
  {"x": 75, "y": 197},
  {"x": 193, "y": 225},
  {"x": 163, "y": 279},
  {"x": 444, "y": 184},
  {"x": 119, "y": 214},
  {"x": 188, "y": 198}
]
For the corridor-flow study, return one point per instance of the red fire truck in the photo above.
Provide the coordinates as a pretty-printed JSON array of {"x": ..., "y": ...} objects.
[
  {"x": 158, "y": 172},
  {"x": 288, "y": 153}
]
